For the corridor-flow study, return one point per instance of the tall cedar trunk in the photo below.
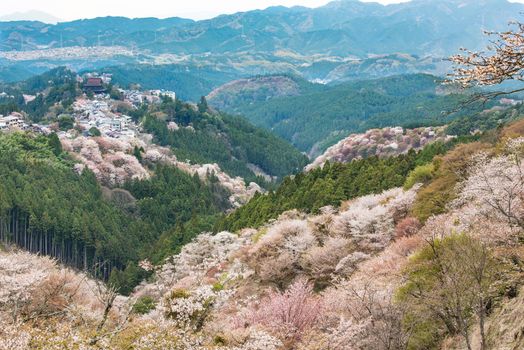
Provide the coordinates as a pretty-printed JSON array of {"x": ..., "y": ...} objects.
[{"x": 16, "y": 228}]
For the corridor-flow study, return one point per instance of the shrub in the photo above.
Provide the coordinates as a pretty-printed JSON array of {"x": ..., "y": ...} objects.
[
  {"x": 320, "y": 262},
  {"x": 94, "y": 132},
  {"x": 189, "y": 309},
  {"x": 449, "y": 283},
  {"x": 66, "y": 122},
  {"x": 144, "y": 304},
  {"x": 421, "y": 174},
  {"x": 275, "y": 257},
  {"x": 148, "y": 335},
  {"x": 433, "y": 198}
]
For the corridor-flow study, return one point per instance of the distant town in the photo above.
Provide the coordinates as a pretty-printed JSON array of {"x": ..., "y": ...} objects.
[{"x": 67, "y": 53}]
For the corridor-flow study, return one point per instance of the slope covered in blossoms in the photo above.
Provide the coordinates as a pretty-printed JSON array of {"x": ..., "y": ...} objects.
[
  {"x": 373, "y": 273},
  {"x": 338, "y": 280},
  {"x": 94, "y": 206},
  {"x": 113, "y": 163},
  {"x": 384, "y": 142}
]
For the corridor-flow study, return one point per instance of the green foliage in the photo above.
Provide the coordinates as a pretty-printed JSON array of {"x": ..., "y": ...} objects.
[
  {"x": 63, "y": 211},
  {"x": 171, "y": 197},
  {"x": 180, "y": 294},
  {"x": 448, "y": 281},
  {"x": 421, "y": 174},
  {"x": 125, "y": 280},
  {"x": 325, "y": 116},
  {"x": 231, "y": 142},
  {"x": 329, "y": 186},
  {"x": 47, "y": 208},
  {"x": 66, "y": 122},
  {"x": 137, "y": 152},
  {"x": 93, "y": 131},
  {"x": 55, "y": 90},
  {"x": 188, "y": 84},
  {"x": 433, "y": 198},
  {"x": 260, "y": 89},
  {"x": 202, "y": 105},
  {"x": 144, "y": 304},
  {"x": 487, "y": 120},
  {"x": 114, "y": 93},
  {"x": 55, "y": 77},
  {"x": 55, "y": 144}
]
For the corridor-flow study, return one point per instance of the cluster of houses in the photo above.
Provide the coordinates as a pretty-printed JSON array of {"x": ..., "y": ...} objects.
[
  {"x": 149, "y": 96},
  {"x": 67, "y": 53},
  {"x": 97, "y": 114}
]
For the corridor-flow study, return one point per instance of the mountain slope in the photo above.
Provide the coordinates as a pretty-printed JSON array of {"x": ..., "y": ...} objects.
[
  {"x": 345, "y": 27},
  {"x": 195, "y": 133},
  {"x": 259, "y": 89},
  {"x": 52, "y": 207},
  {"x": 323, "y": 115},
  {"x": 189, "y": 81},
  {"x": 329, "y": 185},
  {"x": 232, "y": 142}
]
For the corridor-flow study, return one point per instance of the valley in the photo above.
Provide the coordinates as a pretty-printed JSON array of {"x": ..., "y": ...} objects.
[{"x": 343, "y": 177}]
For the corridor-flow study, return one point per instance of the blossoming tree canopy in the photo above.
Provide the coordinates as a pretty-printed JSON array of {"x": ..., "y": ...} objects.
[{"x": 505, "y": 62}]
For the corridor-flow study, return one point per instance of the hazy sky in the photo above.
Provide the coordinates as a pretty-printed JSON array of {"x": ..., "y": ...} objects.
[{"x": 197, "y": 9}]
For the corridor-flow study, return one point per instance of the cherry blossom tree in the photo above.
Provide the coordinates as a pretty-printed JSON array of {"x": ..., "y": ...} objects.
[
  {"x": 496, "y": 185},
  {"x": 505, "y": 61},
  {"x": 289, "y": 314}
]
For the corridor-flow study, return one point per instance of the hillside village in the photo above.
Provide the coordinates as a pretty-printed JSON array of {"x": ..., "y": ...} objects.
[{"x": 99, "y": 111}]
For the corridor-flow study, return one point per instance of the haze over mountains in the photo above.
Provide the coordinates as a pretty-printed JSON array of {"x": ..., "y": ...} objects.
[
  {"x": 343, "y": 41},
  {"x": 345, "y": 27},
  {"x": 317, "y": 43}
]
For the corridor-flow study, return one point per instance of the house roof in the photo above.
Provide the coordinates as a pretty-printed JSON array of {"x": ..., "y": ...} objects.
[{"x": 93, "y": 82}]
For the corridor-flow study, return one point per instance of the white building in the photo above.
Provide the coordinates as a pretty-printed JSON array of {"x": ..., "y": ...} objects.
[{"x": 12, "y": 122}]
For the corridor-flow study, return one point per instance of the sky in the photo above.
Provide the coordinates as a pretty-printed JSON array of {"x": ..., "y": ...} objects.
[
  {"x": 196, "y": 9},
  {"x": 67, "y": 10}
]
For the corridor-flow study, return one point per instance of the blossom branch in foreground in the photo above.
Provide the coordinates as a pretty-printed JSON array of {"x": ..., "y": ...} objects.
[{"x": 506, "y": 62}]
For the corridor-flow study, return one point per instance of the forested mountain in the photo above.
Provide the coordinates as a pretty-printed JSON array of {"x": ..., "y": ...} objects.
[
  {"x": 390, "y": 261},
  {"x": 132, "y": 217},
  {"x": 259, "y": 89},
  {"x": 345, "y": 27},
  {"x": 48, "y": 208},
  {"x": 203, "y": 137},
  {"x": 197, "y": 75},
  {"x": 330, "y": 185},
  {"x": 156, "y": 205},
  {"x": 344, "y": 40},
  {"x": 489, "y": 119},
  {"x": 317, "y": 117},
  {"x": 190, "y": 82}
]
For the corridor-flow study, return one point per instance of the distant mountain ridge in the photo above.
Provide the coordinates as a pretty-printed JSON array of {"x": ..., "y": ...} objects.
[
  {"x": 344, "y": 27},
  {"x": 33, "y": 15}
]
